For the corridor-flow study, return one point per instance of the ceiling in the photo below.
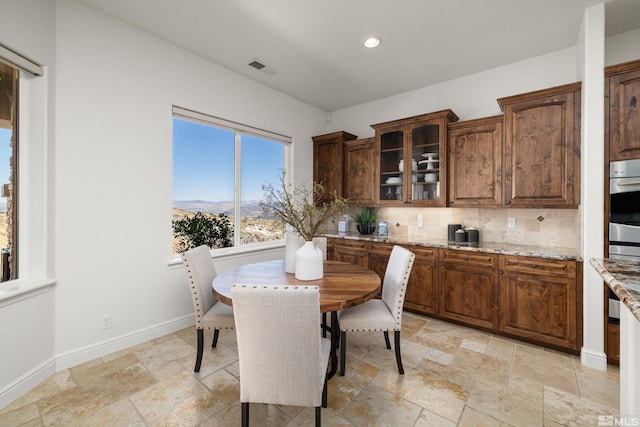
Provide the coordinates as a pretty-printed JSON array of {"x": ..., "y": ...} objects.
[{"x": 313, "y": 49}]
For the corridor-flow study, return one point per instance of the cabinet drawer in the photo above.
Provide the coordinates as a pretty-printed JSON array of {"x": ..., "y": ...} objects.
[
  {"x": 538, "y": 265},
  {"x": 467, "y": 257},
  {"x": 352, "y": 247},
  {"x": 422, "y": 253}
]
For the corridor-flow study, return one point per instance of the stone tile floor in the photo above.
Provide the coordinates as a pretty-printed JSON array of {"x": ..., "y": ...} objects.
[{"x": 454, "y": 376}]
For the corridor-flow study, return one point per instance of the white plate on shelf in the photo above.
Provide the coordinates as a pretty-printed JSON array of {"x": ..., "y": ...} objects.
[
  {"x": 394, "y": 180},
  {"x": 430, "y": 177}
]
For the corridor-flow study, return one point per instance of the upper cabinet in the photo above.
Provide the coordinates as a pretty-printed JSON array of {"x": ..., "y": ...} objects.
[
  {"x": 542, "y": 148},
  {"x": 475, "y": 162},
  {"x": 359, "y": 160},
  {"x": 327, "y": 162},
  {"x": 622, "y": 110},
  {"x": 411, "y": 160}
]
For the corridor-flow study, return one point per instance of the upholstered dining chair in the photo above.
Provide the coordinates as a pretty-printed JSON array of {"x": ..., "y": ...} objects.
[
  {"x": 381, "y": 314},
  {"x": 210, "y": 314},
  {"x": 282, "y": 357}
]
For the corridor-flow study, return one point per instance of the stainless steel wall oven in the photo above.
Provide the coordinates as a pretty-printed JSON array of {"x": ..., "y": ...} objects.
[{"x": 624, "y": 217}]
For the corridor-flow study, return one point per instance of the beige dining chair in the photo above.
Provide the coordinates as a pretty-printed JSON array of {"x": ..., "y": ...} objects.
[
  {"x": 381, "y": 314},
  {"x": 210, "y": 314},
  {"x": 282, "y": 357}
]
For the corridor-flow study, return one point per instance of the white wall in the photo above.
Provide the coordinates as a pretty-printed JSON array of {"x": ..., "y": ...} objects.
[
  {"x": 27, "y": 322},
  {"x": 622, "y": 48},
  {"x": 592, "y": 49},
  {"x": 469, "y": 97},
  {"x": 115, "y": 89}
]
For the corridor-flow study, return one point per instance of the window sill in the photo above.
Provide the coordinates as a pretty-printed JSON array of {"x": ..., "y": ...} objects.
[
  {"x": 16, "y": 290},
  {"x": 228, "y": 253}
]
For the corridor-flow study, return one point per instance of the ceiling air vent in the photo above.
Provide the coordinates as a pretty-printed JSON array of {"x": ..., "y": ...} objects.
[{"x": 255, "y": 63}]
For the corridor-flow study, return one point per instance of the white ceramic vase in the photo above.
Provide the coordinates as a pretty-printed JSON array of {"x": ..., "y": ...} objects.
[
  {"x": 292, "y": 242},
  {"x": 309, "y": 262}
]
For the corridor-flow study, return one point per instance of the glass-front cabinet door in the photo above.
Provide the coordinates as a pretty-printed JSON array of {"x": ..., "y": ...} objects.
[{"x": 412, "y": 160}]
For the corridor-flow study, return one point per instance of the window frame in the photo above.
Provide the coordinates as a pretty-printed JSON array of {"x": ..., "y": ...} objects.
[{"x": 239, "y": 130}]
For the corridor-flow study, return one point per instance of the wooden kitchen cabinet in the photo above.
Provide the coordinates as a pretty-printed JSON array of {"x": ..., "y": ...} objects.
[
  {"x": 359, "y": 161},
  {"x": 420, "y": 143},
  {"x": 422, "y": 289},
  {"x": 468, "y": 284},
  {"x": 475, "y": 162},
  {"x": 542, "y": 148},
  {"x": 539, "y": 299},
  {"x": 327, "y": 162},
  {"x": 351, "y": 251},
  {"x": 622, "y": 111},
  {"x": 378, "y": 259}
]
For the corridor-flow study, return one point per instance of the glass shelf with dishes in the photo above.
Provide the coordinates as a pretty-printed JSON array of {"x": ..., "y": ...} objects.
[{"x": 409, "y": 155}]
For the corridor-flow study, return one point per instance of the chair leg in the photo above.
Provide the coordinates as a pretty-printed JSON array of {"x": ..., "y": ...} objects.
[
  {"x": 200, "y": 333},
  {"x": 245, "y": 414},
  {"x": 386, "y": 340},
  {"x": 318, "y": 423},
  {"x": 343, "y": 351},
  {"x": 324, "y": 325},
  {"x": 216, "y": 332},
  {"x": 324, "y": 393},
  {"x": 396, "y": 336}
]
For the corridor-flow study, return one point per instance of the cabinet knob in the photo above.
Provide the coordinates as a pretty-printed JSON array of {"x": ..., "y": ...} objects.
[
  {"x": 534, "y": 265},
  {"x": 507, "y": 202},
  {"x": 466, "y": 258}
]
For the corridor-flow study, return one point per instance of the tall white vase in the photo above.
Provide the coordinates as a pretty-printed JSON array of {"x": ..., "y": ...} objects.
[
  {"x": 309, "y": 262},
  {"x": 292, "y": 242}
]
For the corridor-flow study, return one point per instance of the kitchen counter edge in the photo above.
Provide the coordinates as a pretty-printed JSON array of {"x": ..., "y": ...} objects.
[
  {"x": 623, "y": 278},
  {"x": 566, "y": 254}
]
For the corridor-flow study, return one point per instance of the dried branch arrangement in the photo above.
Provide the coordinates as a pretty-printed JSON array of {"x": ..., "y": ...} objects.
[{"x": 296, "y": 206}]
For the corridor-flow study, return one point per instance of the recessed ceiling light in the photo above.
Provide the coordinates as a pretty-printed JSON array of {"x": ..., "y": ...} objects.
[{"x": 372, "y": 42}]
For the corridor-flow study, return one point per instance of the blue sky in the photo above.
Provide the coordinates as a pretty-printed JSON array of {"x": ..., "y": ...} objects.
[{"x": 203, "y": 161}]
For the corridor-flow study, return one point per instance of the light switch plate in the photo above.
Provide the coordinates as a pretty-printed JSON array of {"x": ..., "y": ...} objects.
[{"x": 511, "y": 222}]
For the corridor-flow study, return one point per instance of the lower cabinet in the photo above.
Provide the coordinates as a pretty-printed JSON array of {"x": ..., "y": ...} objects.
[
  {"x": 351, "y": 251},
  {"x": 422, "y": 289},
  {"x": 468, "y": 291},
  {"x": 378, "y": 259},
  {"x": 536, "y": 299},
  {"x": 539, "y": 300}
]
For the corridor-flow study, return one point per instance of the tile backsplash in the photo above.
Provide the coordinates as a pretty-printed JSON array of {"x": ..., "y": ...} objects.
[{"x": 541, "y": 227}]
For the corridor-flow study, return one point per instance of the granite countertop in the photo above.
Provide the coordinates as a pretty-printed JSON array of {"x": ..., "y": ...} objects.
[
  {"x": 623, "y": 277},
  {"x": 567, "y": 254}
]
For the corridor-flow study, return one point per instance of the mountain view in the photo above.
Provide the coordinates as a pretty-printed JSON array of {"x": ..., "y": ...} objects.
[
  {"x": 253, "y": 228},
  {"x": 250, "y": 209}
]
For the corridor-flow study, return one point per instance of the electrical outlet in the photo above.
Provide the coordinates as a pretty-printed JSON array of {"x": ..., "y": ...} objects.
[
  {"x": 511, "y": 222},
  {"x": 420, "y": 223},
  {"x": 106, "y": 321}
]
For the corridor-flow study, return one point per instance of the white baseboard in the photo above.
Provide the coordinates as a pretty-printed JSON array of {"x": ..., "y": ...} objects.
[
  {"x": 593, "y": 359},
  {"x": 26, "y": 382},
  {"x": 81, "y": 355}
]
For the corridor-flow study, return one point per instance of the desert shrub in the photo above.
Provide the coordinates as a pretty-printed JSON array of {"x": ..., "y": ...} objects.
[{"x": 215, "y": 231}]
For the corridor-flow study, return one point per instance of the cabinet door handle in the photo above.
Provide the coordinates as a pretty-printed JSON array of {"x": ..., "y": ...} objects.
[
  {"x": 507, "y": 202},
  {"x": 633, "y": 102}
]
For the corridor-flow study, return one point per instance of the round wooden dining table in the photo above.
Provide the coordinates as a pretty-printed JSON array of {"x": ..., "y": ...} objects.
[{"x": 343, "y": 285}]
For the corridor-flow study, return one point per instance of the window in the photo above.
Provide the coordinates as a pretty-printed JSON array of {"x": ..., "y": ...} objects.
[
  {"x": 8, "y": 172},
  {"x": 219, "y": 170}
]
